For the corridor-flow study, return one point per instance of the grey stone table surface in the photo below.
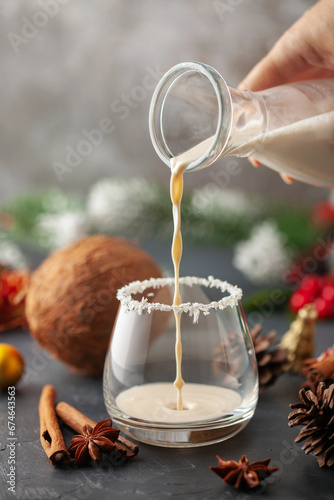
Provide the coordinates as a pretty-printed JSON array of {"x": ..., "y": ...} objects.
[{"x": 159, "y": 473}]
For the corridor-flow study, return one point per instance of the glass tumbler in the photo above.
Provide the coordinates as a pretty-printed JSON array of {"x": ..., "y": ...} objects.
[{"x": 218, "y": 363}]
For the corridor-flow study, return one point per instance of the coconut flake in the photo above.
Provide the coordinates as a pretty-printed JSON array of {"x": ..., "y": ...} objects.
[{"x": 194, "y": 309}]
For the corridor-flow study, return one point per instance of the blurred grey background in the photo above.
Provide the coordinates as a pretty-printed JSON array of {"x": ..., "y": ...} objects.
[{"x": 71, "y": 66}]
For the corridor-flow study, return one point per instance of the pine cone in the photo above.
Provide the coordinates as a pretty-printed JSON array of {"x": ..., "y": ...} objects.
[
  {"x": 316, "y": 414},
  {"x": 271, "y": 359},
  {"x": 228, "y": 360}
]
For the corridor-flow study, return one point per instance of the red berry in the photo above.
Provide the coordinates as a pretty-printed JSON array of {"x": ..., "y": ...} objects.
[
  {"x": 324, "y": 308},
  {"x": 323, "y": 214},
  {"x": 327, "y": 292},
  {"x": 311, "y": 284},
  {"x": 298, "y": 300},
  {"x": 13, "y": 288},
  {"x": 325, "y": 280}
]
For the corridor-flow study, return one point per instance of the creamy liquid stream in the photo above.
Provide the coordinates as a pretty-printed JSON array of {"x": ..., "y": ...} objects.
[
  {"x": 178, "y": 166},
  {"x": 156, "y": 402},
  {"x": 176, "y": 191}
]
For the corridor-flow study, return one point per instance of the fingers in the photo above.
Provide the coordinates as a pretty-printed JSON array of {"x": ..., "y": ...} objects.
[
  {"x": 303, "y": 52},
  {"x": 283, "y": 64},
  {"x": 254, "y": 162},
  {"x": 287, "y": 179},
  {"x": 264, "y": 75},
  {"x": 274, "y": 70}
]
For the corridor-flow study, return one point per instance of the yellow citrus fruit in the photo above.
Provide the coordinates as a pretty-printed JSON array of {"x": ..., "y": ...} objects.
[{"x": 11, "y": 366}]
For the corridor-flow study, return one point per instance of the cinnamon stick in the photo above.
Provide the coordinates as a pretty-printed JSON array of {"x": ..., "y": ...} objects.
[
  {"x": 124, "y": 449},
  {"x": 51, "y": 436},
  {"x": 319, "y": 371},
  {"x": 72, "y": 417},
  {"x": 134, "y": 448}
]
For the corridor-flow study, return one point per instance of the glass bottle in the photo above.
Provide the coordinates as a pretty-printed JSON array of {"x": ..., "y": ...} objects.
[{"x": 289, "y": 128}]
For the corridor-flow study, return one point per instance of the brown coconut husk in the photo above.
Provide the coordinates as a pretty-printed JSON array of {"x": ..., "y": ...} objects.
[{"x": 71, "y": 304}]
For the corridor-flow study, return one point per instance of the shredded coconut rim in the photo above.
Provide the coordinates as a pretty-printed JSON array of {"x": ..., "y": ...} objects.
[{"x": 124, "y": 295}]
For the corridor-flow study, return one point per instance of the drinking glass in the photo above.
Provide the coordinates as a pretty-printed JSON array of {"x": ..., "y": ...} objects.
[{"x": 218, "y": 363}]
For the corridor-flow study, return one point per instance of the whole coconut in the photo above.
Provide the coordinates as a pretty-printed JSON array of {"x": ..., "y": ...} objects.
[{"x": 71, "y": 303}]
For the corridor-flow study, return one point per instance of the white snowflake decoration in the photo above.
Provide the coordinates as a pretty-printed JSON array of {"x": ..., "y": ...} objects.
[
  {"x": 211, "y": 200},
  {"x": 263, "y": 258},
  {"x": 115, "y": 204},
  {"x": 10, "y": 255},
  {"x": 59, "y": 230}
]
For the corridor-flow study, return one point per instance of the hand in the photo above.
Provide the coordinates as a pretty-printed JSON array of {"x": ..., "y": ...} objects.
[
  {"x": 305, "y": 51},
  {"x": 286, "y": 178}
]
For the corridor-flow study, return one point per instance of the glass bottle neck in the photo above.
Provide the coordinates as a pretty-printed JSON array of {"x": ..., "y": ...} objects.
[
  {"x": 192, "y": 105},
  {"x": 249, "y": 122}
]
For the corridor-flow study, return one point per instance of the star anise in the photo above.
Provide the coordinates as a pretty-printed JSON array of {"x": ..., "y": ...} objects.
[
  {"x": 93, "y": 442},
  {"x": 242, "y": 474}
]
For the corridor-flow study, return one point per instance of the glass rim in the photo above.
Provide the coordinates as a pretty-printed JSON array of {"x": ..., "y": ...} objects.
[
  {"x": 224, "y": 101},
  {"x": 124, "y": 295}
]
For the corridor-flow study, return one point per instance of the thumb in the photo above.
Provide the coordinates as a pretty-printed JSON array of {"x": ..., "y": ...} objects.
[{"x": 264, "y": 75}]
